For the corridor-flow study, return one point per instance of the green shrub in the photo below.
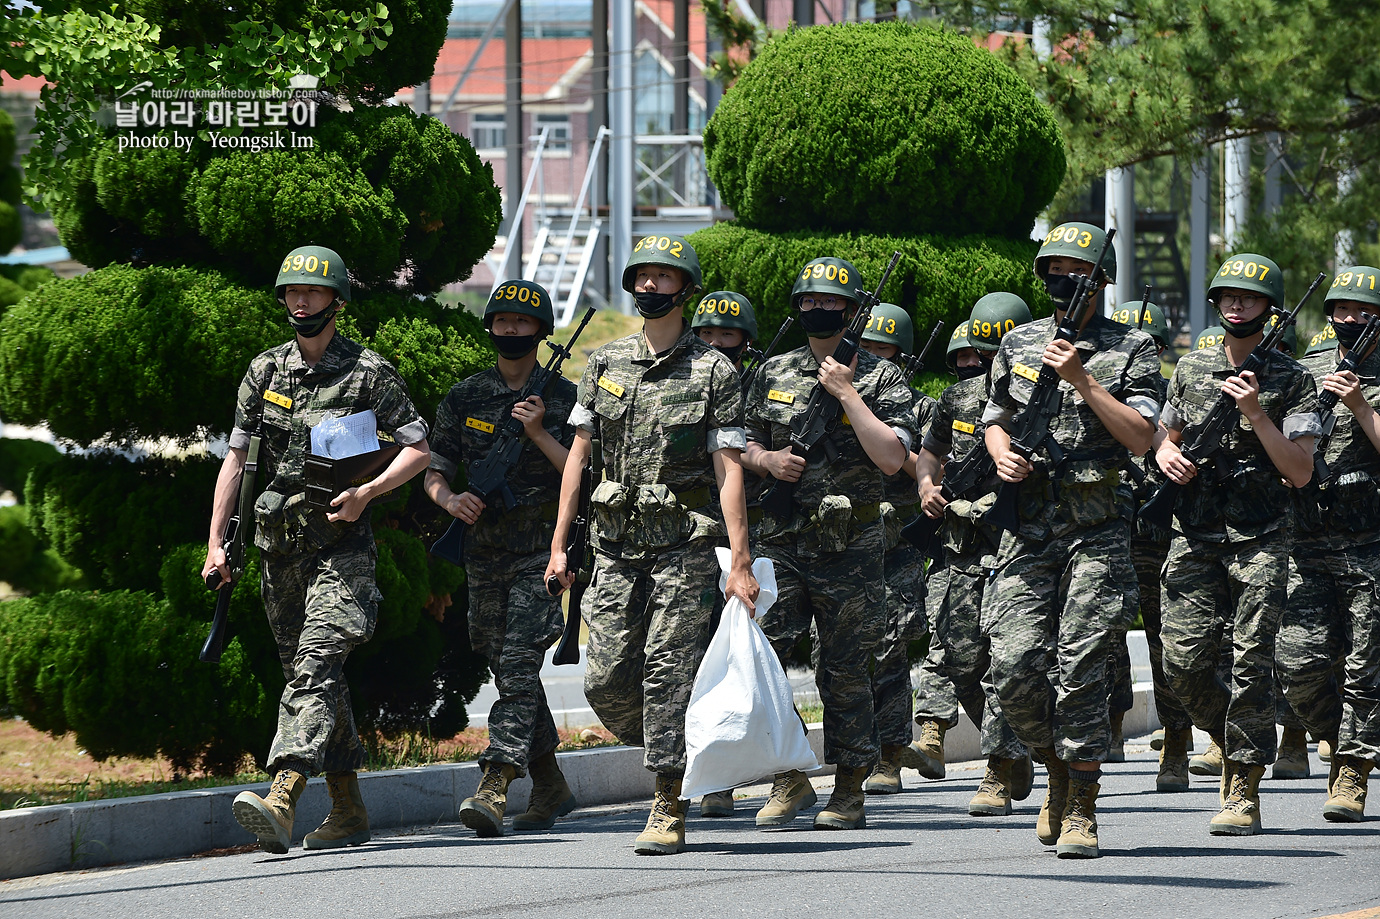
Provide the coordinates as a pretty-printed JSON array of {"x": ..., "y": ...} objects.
[
  {"x": 26, "y": 563},
  {"x": 17, "y": 457},
  {"x": 936, "y": 278},
  {"x": 886, "y": 127},
  {"x": 8, "y": 133},
  {"x": 18, "y": 281},
  {"x": 11, "y": 227}
]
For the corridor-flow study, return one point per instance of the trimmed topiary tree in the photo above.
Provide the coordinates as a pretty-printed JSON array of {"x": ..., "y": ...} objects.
[{"x": 11, "y": 227}]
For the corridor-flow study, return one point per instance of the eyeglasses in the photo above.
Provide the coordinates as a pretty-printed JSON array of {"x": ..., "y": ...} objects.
[
  {"x": 826, "y": 303},
  {"x": 1246, "y": 300}
]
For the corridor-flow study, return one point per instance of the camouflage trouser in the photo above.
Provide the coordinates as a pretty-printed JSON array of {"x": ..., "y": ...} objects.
[
  {"x": 964, "y": 665},
  {"x": 320, "y": 605},
  {"x": 1052, "y": 611},
  {"x": 513, "y": 620},
  {"x": 1226, "y": 592},
  {"x": 842, "y": 594},
  {"x": 905, "y": 611},
  {"x": 1333, "y": 613},
  {"x": 648, "y": 629},
  {"x": 1121, "y": 695},
  {"x": 1148, "y": 555}
]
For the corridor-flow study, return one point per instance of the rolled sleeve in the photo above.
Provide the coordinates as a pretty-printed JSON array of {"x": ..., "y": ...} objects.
[
  {"x": 1148, "y": 408},
  {"x": 934, "y": 445},
  {"x": 999, "y": 415},
  {"x": 443, "y": 465},
  {"x": 1171, "y": 417},
  {"x": 582, "y": 417},
  {"x": 239, "y": 439},
  {"x": 904, "y": 436},
  {"x": 412, "y": 433},
  {"x": 727, "y": 439},
  {"x": 1304, "y": 424}
]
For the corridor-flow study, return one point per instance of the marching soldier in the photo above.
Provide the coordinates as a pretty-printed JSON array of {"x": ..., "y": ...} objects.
[
  {"x": 318, "y": 563},
  {"x": 667, "y": 412},
  {"x": 828, "y": 550},
  {"x": 726, "y": 321},
  {"x": 512, "y": 618},
  {"x": 1227, "y": 567},
  {"x": 1064, "y": 586}
]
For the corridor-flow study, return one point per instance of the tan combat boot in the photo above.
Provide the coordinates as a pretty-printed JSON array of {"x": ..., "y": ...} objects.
[
  {"x": 1022, "y": 778},
  {"x": 1051, "y": 821},
  {"x": 926, "y": 755},
  {"x": 1210, "y": 763},
  {"x": 1325, "y": 750},
  {"x": 717, "y": 804},
  {"x": 1292, "y": 761},
  {"x": 993, "y": 798},
  {"x": 885, "y": 778},
  {"x": 1173, "y": 775},
  {"x": 789, "y": 793},
  {"x": 1240, "y": 814},
  {"x": 348, "y": 823},
  {"x": 845, "y": 808},
  {"x": 1116, "y": 753},
  {"x": 1346, "y": 800},
  {"x": 551, "y": 797},
  {"x": 665, "y": 832},
  {"x": 1078, "y": 833},
  {"x": 483, "y": 813},
  {"x": 1157, "y": 739},
  {"x": 270, "y": 818}
]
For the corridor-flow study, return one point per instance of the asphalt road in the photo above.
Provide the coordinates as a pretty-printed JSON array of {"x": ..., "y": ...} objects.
[{"x": 921, "y": 855}]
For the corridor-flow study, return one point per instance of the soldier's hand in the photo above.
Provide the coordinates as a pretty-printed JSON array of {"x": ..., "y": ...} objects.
[
  {"x": 932, "y": 500},
  {"x": 1012, "y": 467},
  {"x": 216, "y": 561},
  {"x": 556, "y": 568},
  {"x": 1178, "y": 467},
  {"x": 784, "y": 465},
  {"x": 1064, "y": 358},
  {"x": 1347, "y": 386},
  {"x": 743, "y": 585},
  {"x": 466, "y": 506},
  {"x": 530, "y": 413},
  {"x": 349, "y": 504},
  {"x": 837, "y": 379},
  {"x": 1245, "y": 389}
]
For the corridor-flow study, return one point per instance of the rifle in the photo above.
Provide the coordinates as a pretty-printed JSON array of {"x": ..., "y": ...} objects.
[
  {"x": 970, "y": 479},
  {"x": 760, "y": 357},
  {"x": 1221, "y": 418},
  {"x": 1033, "y": 424},
  {"x": 233, "y": 539},
  {"x": 1327, "y": 400},
  {"x": 577, "y": 555},
  {"x": 914, "y": 363},
  {"x": 811, "y": 426},
  {"x": 488, "y": 475}
]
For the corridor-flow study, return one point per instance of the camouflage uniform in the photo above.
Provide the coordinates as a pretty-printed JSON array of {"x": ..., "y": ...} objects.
[
  {"x": 829, "y": 553},
  {"x": 1334, "y": 602},
  {"x": 1227, "y": 564},
  {"x": 905, "y": 601},
  {"x": 318, "y": 577},
  {"x": 657, "y": 520},
  {"x": 512, "y": 619},
  {"x": 1064, "y": 586},
  {"x": 962, "y": 668}
]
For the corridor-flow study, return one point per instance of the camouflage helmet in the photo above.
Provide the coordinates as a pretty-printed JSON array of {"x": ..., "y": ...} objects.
[
  {"x": 1325, "y": 340},
  {"x": 671, "y": 251},
  {"x": 1248, "y": 271},
  {"x": 957, "y": 342},
  {"x": 993, "y": 316},
  {"x": 725, "y": 309},
  {"x": 1359, "y": 282},
  {"x": 891, "y": 325},
  {"x": 1154, "y": 324},
  {"x": 1210, "y": 337},
  {"x": 523, "y": 297},
  {"x": 1075, "y": 240},
  {"x": 315, "y": 265},
  {"x": 827, "y": 275}
]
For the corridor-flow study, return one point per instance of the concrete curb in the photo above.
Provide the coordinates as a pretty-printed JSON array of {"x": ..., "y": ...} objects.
[{"x": 38, "y": 840}]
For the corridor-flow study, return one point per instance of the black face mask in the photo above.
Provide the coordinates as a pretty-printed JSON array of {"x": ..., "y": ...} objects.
[
  {"x": 968, "y": 373},
  {"x": 513, "y": 346},
  {"x": 820, "y": 323},
  {"x": 1062, "y": 288},
  {"x": 654, "y": 305},
  {"x": 732, "y": 353},
  {"x": 1348, "y": 333},
  {"x": 312, "y": 326},
  {"x": 1245, "y": 329}
]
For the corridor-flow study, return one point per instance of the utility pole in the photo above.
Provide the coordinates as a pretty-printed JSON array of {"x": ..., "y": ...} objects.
[{"x": 514, "y": 141}]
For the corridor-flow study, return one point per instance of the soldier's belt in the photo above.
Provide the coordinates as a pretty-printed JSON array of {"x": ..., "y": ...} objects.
[
  {"x": 696, "y": 498},
  {"x": 867, "y": 513}
]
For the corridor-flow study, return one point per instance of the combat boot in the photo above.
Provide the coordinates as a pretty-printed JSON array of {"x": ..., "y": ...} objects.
[
  {"x": 717, "y": 804},
  {"x": 1078, "y": 835},
  {"x": 665, "y": 832},
  {"x": 885, "y": 778},
  {"x": 1173, "y": 775},
  {"x": 789, "y": 793},
  {"x": 1240, "y": 814},
  {"x": 1292, "y": 761},
  {"x": 551, "y": 797},
  {"x": 483, "y": 813},
  {"x": 1346, "y": 800},
  {"x": 1325, "y": 750},
  {"x": 1051, "y": 821},
  {"x": 993, "y": 798},
  {"x": 1157, "y": 739},
  {"x": 1022, "y": 778},
  {"x": 1116, "y": 753},
  {"x": 270, "y": 818},
  {"x": 926, "y": 755},
  {"x": 845, "y": 808},
  {"x": 1210, "y": 763},
  {"x": 348, "y": 823}
]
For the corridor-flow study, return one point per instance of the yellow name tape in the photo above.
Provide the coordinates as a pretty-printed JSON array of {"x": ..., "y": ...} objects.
[
  {"x": 1021, "y": 370},
  {"x": 965, "y": 427},
  {"x": 609, "y": 386},
  {"x": 777, "y": 395},
  {"x": 479, "y": 425},
  {"x": 277, "y": 398}
]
